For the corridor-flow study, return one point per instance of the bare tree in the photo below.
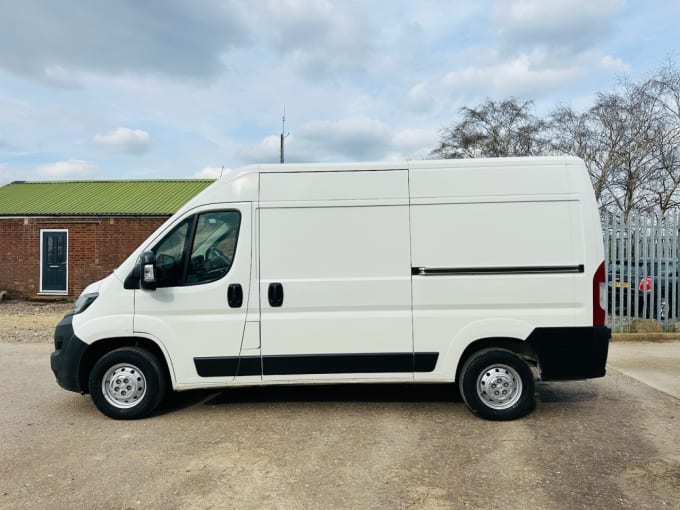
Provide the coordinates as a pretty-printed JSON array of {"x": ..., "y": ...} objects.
[
  {"x": 494, "y": 129},
  {"x": 580, "y": 134},
  {"x": 629, "y": 142},
  {"x": 628, "y": 122},
  {"x": 664, "y": 89},
  {"x": 629, "y": 139}
]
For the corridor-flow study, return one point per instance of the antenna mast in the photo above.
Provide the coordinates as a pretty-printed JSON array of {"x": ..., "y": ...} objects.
[{"x": 283, "y": 130}]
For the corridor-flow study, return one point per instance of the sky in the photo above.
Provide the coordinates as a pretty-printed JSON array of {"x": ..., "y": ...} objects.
[{"x": 129, "y": 89}]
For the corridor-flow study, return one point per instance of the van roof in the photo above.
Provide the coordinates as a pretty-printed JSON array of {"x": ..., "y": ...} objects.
[{"x": 407, "y": 164}]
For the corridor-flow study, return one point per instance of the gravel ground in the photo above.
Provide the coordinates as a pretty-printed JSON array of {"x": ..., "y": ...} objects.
[
  {"x": 28, "y": 322},
  {"x": 607, "y": 443},
  {"x": 610, "y": 443}
]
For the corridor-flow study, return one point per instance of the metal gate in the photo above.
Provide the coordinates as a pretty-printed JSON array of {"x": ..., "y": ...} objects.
[{"x": 641, "y": 254}]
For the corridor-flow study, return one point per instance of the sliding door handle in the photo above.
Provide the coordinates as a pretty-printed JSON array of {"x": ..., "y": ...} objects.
[{"x": 275, "y": 294}]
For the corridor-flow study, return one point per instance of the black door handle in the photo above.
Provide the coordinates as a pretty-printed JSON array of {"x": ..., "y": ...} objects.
[
  {"x": 235, "y": 295},
  {"x": 275, "y": 295}
]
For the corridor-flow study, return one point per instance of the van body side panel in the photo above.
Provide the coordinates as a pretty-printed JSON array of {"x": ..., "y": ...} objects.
[
  {"x": 476, "y": 178},
  {"x": 494, "y": 265},
  {"x": 583, "y": 310},
  {"x": 591, "y": 228},
  {"x": 345, "y": 276},
  {"x": 321, "y": 186}
]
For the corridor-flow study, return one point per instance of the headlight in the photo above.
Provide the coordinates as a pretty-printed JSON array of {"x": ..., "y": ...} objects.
[{"x": 83, "y": 301}]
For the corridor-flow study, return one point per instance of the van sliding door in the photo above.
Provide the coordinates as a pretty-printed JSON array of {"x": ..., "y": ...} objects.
[{"x": 335, "y": 287}]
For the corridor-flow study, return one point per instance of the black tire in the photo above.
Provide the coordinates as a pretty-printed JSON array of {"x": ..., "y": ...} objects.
[
  {"x": 128, "y": 383},
  {"x": 496, "y": 384}
]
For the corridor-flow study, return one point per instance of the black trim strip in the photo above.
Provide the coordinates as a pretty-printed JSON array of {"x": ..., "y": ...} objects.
[
  {"x": 228, "y": 366},
  {"x": 370, "y": 363},
  {"x": 216, "y": 367},
  {"x": 456, "y": 271}
]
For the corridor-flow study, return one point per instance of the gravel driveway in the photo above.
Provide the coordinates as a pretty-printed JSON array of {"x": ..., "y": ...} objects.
[
  {"x": 608, "y": 443},
  {"x": 26, "y": 322}
]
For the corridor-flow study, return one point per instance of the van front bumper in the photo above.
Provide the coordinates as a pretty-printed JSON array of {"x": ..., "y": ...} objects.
[
  {"x": 571, "y": 353},
  {"x": 67, "y": 355}
]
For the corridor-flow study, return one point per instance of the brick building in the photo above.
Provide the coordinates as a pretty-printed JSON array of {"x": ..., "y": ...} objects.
[{"x": 57, "y": 237}]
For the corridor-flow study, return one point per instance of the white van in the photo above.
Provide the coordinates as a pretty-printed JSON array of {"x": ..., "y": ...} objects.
[{"x": 482, "y": 271}]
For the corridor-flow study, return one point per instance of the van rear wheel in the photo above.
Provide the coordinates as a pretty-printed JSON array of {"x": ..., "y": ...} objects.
[
  {"x": 496, "y": 384},
  {"x": 127, "y": 383}
]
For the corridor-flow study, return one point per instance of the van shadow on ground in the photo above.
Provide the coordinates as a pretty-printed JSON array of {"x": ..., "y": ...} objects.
[
  {"x": 545, "y": 392},
  {"x": 316, "y": 393}
]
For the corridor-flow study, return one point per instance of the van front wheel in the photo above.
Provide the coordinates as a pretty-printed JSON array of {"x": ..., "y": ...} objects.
[
  {"x": 127, "y": 383},
  {"x": 496, "y": 384}
]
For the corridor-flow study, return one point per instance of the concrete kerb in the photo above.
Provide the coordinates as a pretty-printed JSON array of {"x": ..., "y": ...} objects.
[{"x": 645, "y": 337}]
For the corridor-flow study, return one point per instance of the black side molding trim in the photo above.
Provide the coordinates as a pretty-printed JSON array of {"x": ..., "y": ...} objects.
[
  {"x": 455, "y": 271},
  {"x": 228, "y": 366},
  {"x": 370, "y": 363}
]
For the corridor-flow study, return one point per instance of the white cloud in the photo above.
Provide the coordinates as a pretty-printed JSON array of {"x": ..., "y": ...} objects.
[
  {"x": 69, "y": 169},
  {"x": 565, "y": 26},
  {"x": 527, "y": 76},
  {"x": 538, "y": 13},
  {"x": 9, "y": 174},
  {"x": 59, "y": 77},
  {"x": 355, "y": 138},
  {"x": 415, "y": 143},
  {"x": 172, "y": 37},
  {"x": 362, "y": 138},
  {"x": 124, "y": 140},
  {"x": 266, "y": 151},
  {"x": 351, "y": 139},
  {"x": 615, "y": 64},
  {"x": 320, "y": 38},
  {"x": 519, "y": 76},
  {"x": 213, "y": 76},
  {"x": 419, "y": 99},
  {"x": 211, "y": 172}
]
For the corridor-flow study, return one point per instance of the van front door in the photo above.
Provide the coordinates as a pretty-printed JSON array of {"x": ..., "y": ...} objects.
[{"x": 198, "y": 311}]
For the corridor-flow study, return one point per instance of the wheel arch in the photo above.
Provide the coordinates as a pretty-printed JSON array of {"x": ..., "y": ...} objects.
[
  {"x": 514, "y": 345},
  {"x": 101, "y": 347}
]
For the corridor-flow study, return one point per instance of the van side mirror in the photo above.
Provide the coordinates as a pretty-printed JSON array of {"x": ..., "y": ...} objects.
[{"x": 148, "y": 270}]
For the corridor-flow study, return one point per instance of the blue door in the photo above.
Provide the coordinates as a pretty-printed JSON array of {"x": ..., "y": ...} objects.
[{"x": 54, "y": 258}]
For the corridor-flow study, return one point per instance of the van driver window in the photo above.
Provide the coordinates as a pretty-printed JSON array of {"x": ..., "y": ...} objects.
[
  {"x": 214, "y": 246},
  {"x": 212, "y": 238}
]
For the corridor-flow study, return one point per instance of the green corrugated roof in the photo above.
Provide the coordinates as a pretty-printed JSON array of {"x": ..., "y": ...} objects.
[{"x": 86, "y": 198}]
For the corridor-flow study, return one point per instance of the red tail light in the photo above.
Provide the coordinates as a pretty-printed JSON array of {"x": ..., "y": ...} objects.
[{"x": 599, "y": 297}]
